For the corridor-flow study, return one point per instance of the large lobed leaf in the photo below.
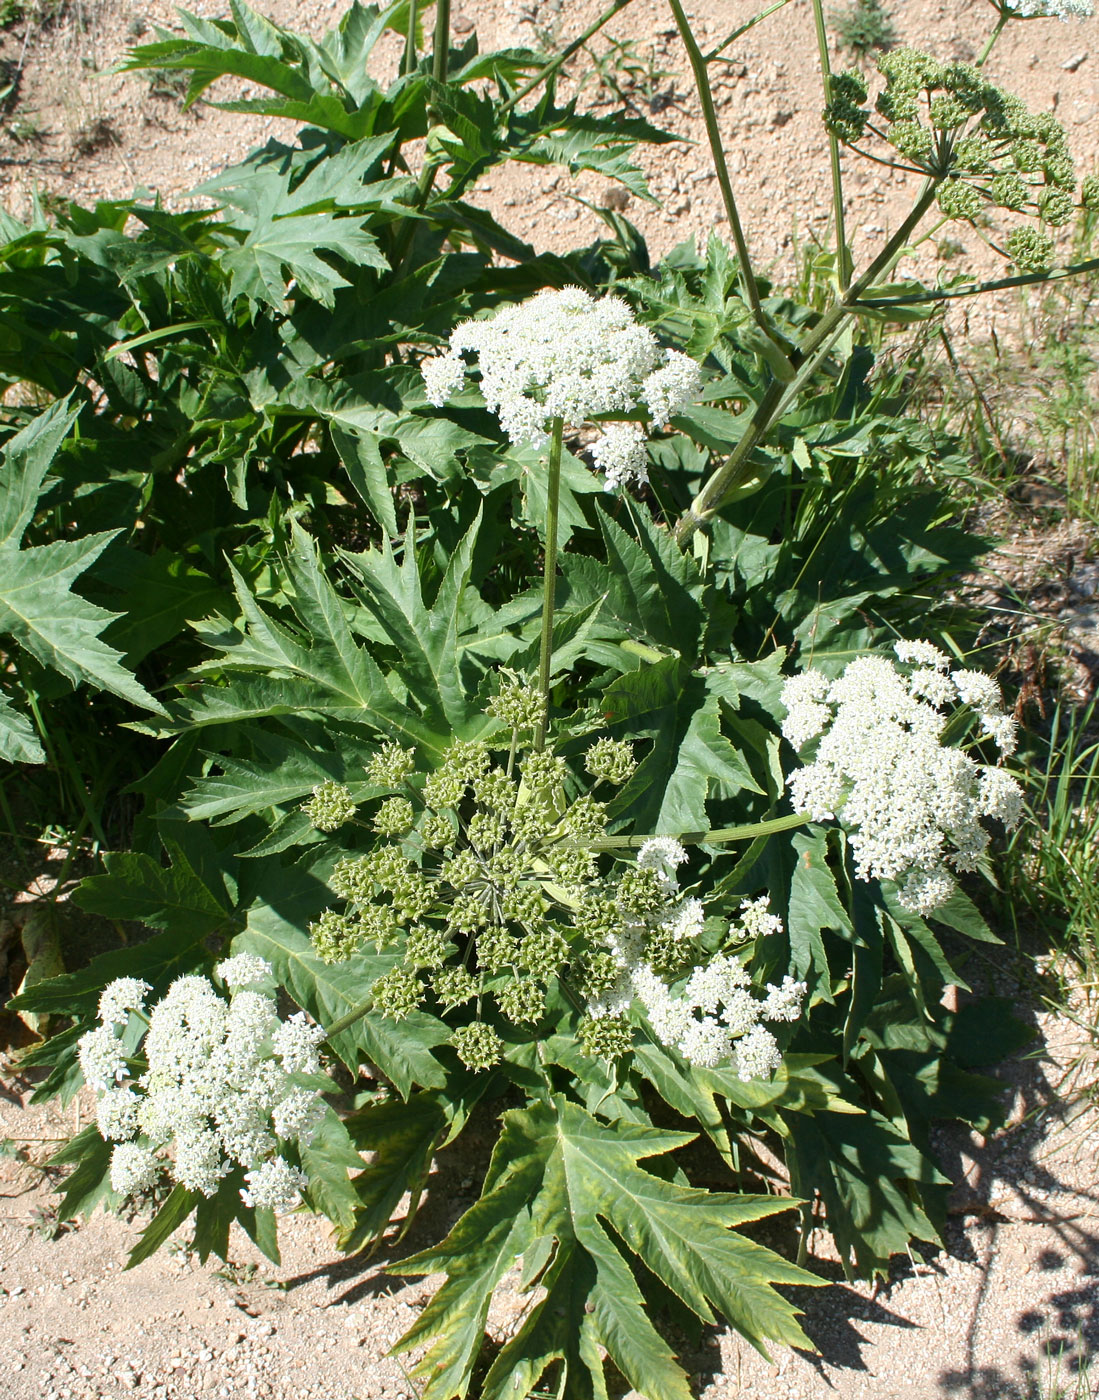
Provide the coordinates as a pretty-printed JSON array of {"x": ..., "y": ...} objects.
[
  {"x": 567, "y": 1193},
  {"x": 38, "y": 608}
]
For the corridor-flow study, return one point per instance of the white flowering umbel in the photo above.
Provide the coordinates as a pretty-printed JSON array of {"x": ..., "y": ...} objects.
[
  {"x": 564, "y": 354},
  {"x": 712, "y": 1018},
  {"x": 217, "y": 1086},
  {"x": 912, "y": 805},
  {"x": 1046, "y": 9}
]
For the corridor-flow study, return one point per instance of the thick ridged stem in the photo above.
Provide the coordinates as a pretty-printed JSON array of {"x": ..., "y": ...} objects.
[
  {"x": 549, "y": 573},
  {"x": 717, "y": 151},
  {"x": 779, "y": 397},
  {"x": 843, "y": 252}
]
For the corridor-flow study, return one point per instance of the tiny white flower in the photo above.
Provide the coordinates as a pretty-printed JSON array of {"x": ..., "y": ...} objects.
[
  {"x": 756, "y": 1054},
  {"x": 116, "y": 1114},
  {"x": 102, "y": 1061},
  {"x": 295, "y": 1042},
  {"x": 783, "y": 1003},
  {"x": 564, "y": 354}
]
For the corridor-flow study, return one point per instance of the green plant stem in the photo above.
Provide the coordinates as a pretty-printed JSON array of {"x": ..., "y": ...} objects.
[
  {"x": 778, "y": 396},
  {"x": 349, "y": 1018},
  {"x": 743, "y": 29},
  {"x": 717, "y": 151},
  {"x": 441, "y": 54},
  {"x": 1001, "y": 25},
  {"x": 549, "y": 574},
  {"x": 721, "y": 837},
  {"x": 1024, "y": 279},
  {"x": 843, "y": 252},
  {"x": 408, "y": 62},
  {"x": 566, "y": 53}
]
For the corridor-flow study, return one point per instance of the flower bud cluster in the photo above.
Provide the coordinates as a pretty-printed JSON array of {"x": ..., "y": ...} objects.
[
  {"x": 222, "y": 1085},
  {"x": 980, "y": 143},
  {"x": 564, "y": 354},
  {"x": 712, "y": 1017},
  {"x": 911, "y": 804}
]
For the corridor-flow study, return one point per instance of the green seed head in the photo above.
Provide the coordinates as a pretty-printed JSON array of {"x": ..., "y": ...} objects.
[
  {"x": 390, "y": 766},
  {"x": 394, "y": 817},
  {"x": 522, "y": 1002},
  {"x": 330, "y": 806},
  {"x": 518, "y": 705},
  {"x": 453, "y": 986},
  {"x": 397, "y": 994},
  {"x": 1030, "y": 249},
  {"x": 335, "y": 936},
  {"x": 478, "y": 1045},
  {"x": 611, "y": 760},
  {"x": 605, "y": 1038}
]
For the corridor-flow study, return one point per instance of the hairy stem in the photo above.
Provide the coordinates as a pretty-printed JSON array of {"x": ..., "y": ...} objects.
[
  {"x": 441, "y": 51},
  {"x": 743, "y": 29},
  {"x": 843, "y": 252},
  {"x": 778, "y": 397},
  {"x": 408, "y": 62},
  {"x": 566, "y": 53},
  {"x": 717, "y": 150},
  {"x": 349, "y": 1018},
  {"x": 1001, "y": 25},
  {"x": 549, "y": 574},
  {"x": 1023, "y": 279},
  {"x": 721, "y": 837}
]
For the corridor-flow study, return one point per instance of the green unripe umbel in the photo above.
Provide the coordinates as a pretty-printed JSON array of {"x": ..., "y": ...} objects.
[
  {"x": 335, "y": 936},
  {"x": 1010, "y": 191},
  {"x": 958, "y": 200},
  {"x": 522, "y": 1002},
  {"x": 478, "y": 1045},
  {"x": 394, "y": 817},
  {"x": 330, "y": 806},
  {"x": 912, "y": 140},
  {"x": 397, "y": 994},
  {"x": 518, "y": 705},
  {"x": 390, "y": 766},
  {"x": 612, "y": 760},
  {"x": 1057, "y": 207},
  {"x": 1030, "y": 249},
  {"x": 454, "y": 985},
  {"x": 606, "y": 1038},
  {"x": 427, "y": 947}
]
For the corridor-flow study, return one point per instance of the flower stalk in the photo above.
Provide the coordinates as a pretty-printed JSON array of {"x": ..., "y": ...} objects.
[
  {"x": 549, "y": 573},
  {"x": 779, "y": 397},
  {"x": 717, "y": 150},
  {"x": 843, "y": 252},
  {"x": 441, "y": 53}
]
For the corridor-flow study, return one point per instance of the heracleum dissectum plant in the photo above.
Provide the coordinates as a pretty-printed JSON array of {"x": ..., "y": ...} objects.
[{"x": 490, "y": 885}]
